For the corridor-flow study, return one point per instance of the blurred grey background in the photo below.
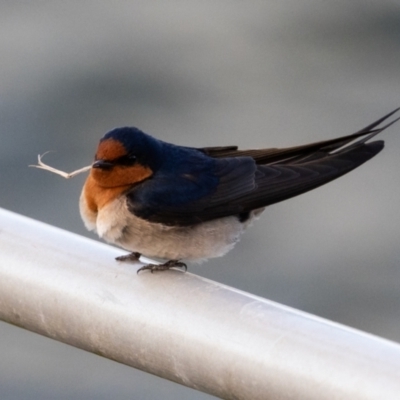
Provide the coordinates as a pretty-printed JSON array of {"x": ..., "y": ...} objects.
[{"x": 260, "y": 73}]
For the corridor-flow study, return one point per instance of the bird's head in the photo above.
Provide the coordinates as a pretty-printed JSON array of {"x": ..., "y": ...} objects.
[{"x": 125, "y": 156}]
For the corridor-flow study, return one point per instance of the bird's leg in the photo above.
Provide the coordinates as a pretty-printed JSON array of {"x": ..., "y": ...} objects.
[
  {"x": 163, "y": 267},
  {"x": 129, "y": 257}
]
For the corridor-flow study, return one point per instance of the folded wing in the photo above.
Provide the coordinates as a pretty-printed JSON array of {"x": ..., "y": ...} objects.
[{"x": 250, "y": 179}]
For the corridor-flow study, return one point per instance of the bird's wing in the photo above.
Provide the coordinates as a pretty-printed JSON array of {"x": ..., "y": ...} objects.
[
  {"x": 235, "y": 184},
  {"x": 242, "y": 186},
  {"x": 187, "y": 195}
]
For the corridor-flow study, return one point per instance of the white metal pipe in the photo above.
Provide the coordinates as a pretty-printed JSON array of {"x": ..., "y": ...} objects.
[{"x": 180, "y": 326}]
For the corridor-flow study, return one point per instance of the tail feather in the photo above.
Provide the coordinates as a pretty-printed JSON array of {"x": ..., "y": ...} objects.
[{"x": 299, "y": 154}]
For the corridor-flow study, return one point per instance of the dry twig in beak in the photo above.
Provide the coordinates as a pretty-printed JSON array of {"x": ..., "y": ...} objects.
[{"x": 66, "y": 175}]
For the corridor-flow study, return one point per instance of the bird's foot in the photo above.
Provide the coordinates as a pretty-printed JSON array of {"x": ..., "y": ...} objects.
[
  {"x": 163, "y": 267},
  {"x": 129, "y": 257}
]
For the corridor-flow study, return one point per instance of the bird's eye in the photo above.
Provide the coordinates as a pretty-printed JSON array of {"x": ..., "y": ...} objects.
[
  {"x": 132, "y": 157},
  {"x": 126, "y": 160}
]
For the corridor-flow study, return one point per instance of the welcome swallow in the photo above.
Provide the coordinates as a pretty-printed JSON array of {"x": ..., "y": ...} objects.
[{"x": 182, "y": 203}]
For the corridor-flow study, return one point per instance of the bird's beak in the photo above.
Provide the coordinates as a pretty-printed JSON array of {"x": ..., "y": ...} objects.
[{"x": 102, "y": 164}]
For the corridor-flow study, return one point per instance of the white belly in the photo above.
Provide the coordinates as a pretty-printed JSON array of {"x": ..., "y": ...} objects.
[{"x": 115, "y": 224}]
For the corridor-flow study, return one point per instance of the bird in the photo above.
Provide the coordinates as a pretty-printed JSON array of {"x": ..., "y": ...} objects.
[{"x": 186, "y": 204}]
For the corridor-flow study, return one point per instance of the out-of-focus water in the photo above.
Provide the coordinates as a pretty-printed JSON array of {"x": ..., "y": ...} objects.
[{"x": 200, "y": 74}]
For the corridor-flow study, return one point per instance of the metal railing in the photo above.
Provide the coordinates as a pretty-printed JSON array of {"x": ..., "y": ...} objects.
[{"x": 180, "y": 326}]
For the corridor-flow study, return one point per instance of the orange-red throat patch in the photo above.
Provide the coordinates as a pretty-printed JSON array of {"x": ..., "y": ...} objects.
[
  {"x": 97, "y": 197},
  {"x": 103, "y": 186}
]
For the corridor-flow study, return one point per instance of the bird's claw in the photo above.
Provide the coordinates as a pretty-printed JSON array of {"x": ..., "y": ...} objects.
[{"x": 163, "y": 267}]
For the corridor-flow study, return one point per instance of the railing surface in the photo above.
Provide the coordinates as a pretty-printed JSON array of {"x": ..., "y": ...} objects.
[{"x": 180, "y": 326}]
